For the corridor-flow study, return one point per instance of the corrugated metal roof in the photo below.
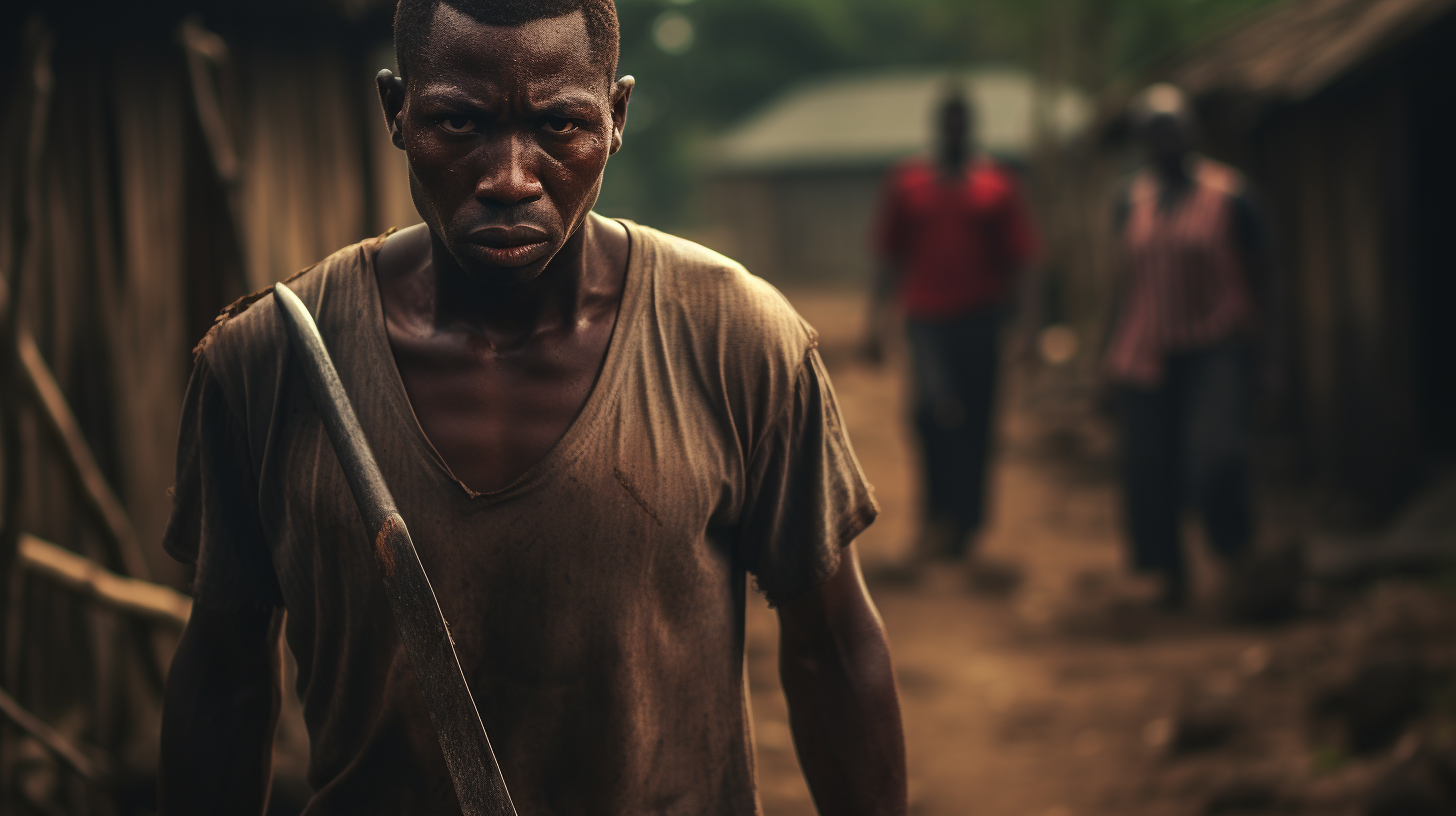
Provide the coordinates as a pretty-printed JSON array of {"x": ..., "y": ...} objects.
[{"x": 871, "y": 119}]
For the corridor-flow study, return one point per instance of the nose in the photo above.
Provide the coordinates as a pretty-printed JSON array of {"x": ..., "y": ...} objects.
[{"x": 510, "y": 176}]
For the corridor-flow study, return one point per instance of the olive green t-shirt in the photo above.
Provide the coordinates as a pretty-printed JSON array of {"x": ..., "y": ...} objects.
[{"x": 596, "y": 603}]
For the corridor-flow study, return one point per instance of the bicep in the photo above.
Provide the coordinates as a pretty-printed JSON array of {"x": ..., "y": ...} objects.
[{"x": 837, "y": 609}]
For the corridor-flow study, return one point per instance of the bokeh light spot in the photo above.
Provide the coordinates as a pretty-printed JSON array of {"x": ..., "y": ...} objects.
[{"x": 673, "y": 32}]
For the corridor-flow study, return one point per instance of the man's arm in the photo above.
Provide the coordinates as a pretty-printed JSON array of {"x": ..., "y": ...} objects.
[
  {"x": 219, "y": 712},
  {"x": 880, "y": 315},
  {"x": 834, "y": 663}
]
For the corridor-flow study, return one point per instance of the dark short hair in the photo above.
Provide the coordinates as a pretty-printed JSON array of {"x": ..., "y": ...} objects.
[{"x": 412, "y": 19}]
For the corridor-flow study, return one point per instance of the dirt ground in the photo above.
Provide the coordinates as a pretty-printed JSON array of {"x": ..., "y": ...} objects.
[{"x": 1060, "y": 697}]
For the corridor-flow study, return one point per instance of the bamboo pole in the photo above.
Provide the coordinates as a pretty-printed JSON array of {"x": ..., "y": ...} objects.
[
  {"x": 206, "y": 51},
  {"x": 116, "y": 525},
  {"x": 82, "y": 575},
  {"x": 24, "y": 204},
  {"x": 90, "y": 769}
]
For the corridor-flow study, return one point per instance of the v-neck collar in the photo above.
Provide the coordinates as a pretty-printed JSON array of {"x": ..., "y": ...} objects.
[{"x": 581, "y": 430}]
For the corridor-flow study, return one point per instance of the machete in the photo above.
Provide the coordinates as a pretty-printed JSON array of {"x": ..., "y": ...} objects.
[{"x": 422, "y": 627}]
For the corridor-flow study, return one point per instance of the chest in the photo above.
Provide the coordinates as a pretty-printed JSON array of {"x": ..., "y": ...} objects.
[
  {"x": 931, "y": 199},
  {"x": 492, "y": 414},
  {"x": 1187, "y": 226}
]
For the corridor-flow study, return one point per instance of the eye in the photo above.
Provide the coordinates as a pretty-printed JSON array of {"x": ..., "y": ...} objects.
[
  {"x": 558, "y": 124},
  {"x": 457, "y": 124}
]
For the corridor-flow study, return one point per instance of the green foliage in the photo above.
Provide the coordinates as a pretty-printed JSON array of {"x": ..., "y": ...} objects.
[{"x": 745, "y": 52}]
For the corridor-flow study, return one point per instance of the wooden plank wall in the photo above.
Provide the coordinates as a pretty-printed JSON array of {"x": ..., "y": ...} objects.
[
  {"x": 137, "y": 252},
  {"x": 1334, "y": 171},
  {"x": 1333, "y": 174}
]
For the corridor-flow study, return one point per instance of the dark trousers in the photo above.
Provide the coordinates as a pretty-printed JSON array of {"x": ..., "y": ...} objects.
[
  {"x": 1186, "y": 442},
  {"x": 953, "y": 368}
]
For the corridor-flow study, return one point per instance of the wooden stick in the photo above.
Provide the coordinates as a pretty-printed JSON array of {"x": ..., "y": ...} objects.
[
  {"x": 24, "y": 207},
  {"x": 207, "y": 50},
  {"x": 116, "y": 525},
  {"x": 123, "y": 546},
  {"x": 81, "y": 574},
  {"x": 88, "y": 768}
]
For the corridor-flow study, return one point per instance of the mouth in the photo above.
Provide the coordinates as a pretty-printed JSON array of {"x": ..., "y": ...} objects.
[{"x": 509, "y": 246}]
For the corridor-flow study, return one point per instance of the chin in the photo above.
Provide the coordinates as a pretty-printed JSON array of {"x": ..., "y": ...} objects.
[{"x": 498, "y": 276}]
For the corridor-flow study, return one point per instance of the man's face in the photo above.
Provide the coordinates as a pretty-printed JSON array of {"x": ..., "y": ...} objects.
[{"x": 507, "y": 129}]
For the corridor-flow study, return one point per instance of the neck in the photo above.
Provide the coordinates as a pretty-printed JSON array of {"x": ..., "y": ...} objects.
[
  {"x": 954, "y": 159},
  {"x": 509, "y": 314}
]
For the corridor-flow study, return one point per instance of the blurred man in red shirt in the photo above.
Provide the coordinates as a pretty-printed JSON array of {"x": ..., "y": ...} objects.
[{"x": 952, "y": 236}]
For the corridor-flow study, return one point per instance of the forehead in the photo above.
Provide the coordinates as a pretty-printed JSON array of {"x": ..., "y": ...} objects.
[{"x": 460, "y": 50}]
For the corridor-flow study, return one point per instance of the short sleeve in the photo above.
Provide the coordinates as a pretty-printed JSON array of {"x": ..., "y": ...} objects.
[
  {"x": 806, "y": 496},
  {"x": 215, "y": 525}
]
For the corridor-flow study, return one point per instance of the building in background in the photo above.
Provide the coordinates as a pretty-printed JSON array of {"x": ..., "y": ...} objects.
[
  {"x": 792, "y": 190},
  {"x": 1341, "y": 114}
]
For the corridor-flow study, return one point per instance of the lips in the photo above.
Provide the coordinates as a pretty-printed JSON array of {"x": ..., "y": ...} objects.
[{"x": 509, "y": 246}]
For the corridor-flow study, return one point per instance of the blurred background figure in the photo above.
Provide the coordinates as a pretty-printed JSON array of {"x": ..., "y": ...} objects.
[
  {"x": 1181, "y": 350},
  {"x": 160, "y": 160},
  {"x": 952, "y": 237}
]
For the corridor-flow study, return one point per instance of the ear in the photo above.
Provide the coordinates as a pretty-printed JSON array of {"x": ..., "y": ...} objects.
[
  {"x": 391, "y": 98},
  {"x": 621, "y": 95}
]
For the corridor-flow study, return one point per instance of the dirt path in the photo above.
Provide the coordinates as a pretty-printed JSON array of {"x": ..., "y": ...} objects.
[{"x": 1014, "y": 706}]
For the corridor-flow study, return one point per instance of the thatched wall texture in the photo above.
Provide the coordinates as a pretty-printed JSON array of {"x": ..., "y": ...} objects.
[{"x": 124, "y": 237}]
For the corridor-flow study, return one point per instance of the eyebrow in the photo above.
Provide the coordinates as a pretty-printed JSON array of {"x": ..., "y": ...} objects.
[{"x": 570, "y": 99}]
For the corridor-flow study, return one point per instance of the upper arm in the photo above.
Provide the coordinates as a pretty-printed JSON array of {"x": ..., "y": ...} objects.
[{"x": 838, "y": 608}]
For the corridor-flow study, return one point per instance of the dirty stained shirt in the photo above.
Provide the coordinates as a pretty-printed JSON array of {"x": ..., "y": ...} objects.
[{"x": 597, "y": 602}]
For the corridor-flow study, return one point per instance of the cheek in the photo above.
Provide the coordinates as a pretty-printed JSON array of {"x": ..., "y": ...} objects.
[
  {"x": 581, "y": 162},
  {"x": 430, "y": 157}
]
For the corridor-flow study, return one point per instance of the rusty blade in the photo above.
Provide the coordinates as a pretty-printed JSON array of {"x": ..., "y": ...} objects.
[{"x": 422, "y": 628}]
